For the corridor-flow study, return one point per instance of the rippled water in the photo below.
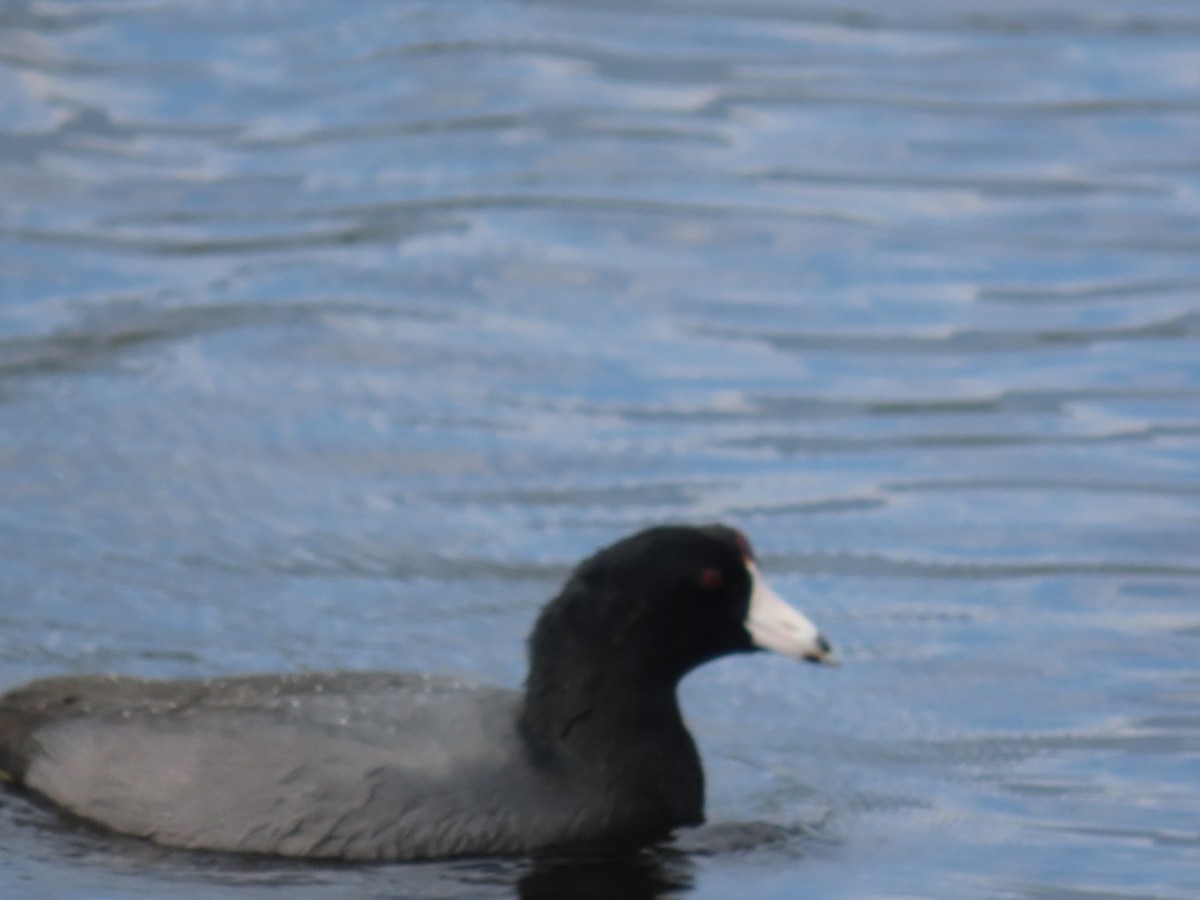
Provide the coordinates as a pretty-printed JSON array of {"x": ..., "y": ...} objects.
[{"x": 332, "y": 334}]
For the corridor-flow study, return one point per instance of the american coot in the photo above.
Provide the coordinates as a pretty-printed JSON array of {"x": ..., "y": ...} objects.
[{"x": 378, "y": 766}]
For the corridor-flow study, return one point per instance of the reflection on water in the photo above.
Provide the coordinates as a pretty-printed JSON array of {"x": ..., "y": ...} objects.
[
  {"x": 331, "y": 335},
  {"x": 640, "y": 877}
]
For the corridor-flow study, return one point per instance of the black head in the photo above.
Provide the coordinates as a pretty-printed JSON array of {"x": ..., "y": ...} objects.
[{"x": 661, "y": 602}]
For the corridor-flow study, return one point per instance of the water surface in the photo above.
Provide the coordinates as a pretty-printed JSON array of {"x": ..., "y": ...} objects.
[{"x": 331, "y": 335}]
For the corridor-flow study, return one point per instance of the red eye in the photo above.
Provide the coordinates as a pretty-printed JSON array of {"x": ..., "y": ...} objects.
[{"x": 711, "y": 579}]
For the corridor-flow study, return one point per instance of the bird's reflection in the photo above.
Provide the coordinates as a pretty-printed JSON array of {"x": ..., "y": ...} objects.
[
  {"x": 667, "y": 870},
  {"x": 641, "y": 875}
]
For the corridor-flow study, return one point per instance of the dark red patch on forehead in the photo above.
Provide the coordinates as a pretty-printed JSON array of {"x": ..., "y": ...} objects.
[{"x": 744, "y": 545}]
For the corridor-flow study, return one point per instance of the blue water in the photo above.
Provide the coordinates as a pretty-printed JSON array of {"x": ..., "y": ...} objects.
[{"x": 331, "y": 335}]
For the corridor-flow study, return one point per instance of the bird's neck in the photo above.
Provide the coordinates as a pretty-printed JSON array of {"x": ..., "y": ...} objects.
[
  {"x": 599, "y": 703},
  {"x": 627, "y": 734},
  {"x": 571, "y": 702}
]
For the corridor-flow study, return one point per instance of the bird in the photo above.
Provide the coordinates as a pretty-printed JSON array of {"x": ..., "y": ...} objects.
[{"x": 592, "y": 754}]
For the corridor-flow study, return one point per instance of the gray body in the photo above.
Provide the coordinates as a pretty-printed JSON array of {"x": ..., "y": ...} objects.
[{"x": 347, "y": 765}]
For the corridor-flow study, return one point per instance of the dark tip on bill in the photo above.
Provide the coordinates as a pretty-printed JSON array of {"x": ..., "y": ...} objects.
[{"x": 824, "y": 653}]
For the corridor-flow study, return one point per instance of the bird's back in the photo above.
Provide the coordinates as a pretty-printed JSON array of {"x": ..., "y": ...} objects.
[{"x": 352, "y": 765}]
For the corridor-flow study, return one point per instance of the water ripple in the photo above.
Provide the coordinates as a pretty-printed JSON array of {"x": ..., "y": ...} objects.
[
  {"x": 1182, "y": 326},
  {"x": 869, "y": 565}
]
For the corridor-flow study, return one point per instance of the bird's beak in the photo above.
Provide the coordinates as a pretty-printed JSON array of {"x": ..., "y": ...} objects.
[{"x": 774, "y": 625}]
